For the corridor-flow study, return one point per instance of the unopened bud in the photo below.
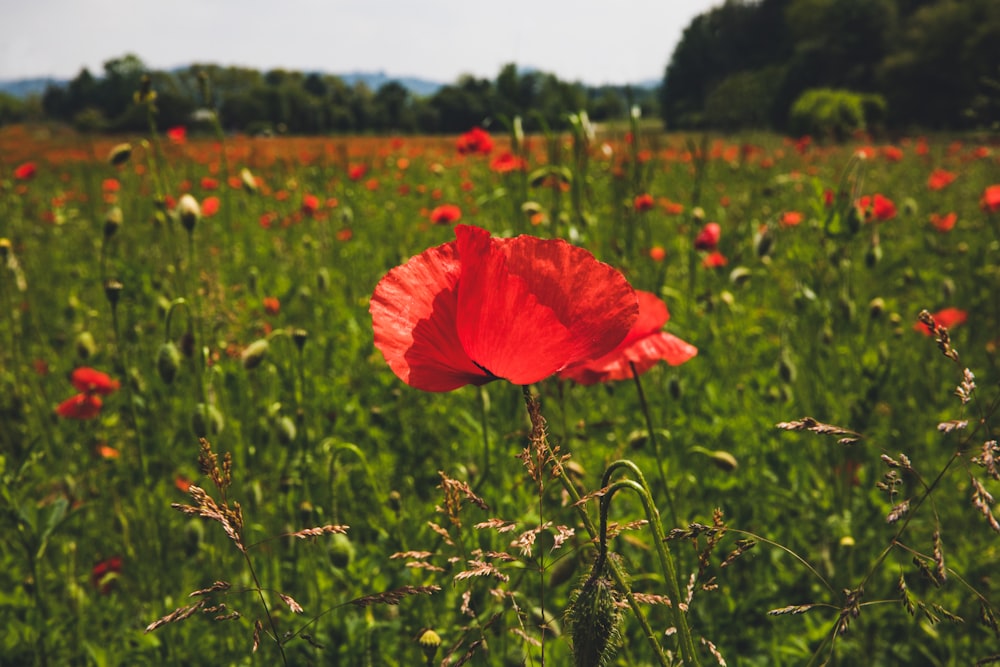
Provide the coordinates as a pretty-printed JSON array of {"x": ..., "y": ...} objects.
[
  {"x": 206, "y": 421},
  {"x": 85, "y": 345},
  {"x": 120, "y": 154},
  {"x": 248, "y": 180},
  {"x": 189, "y": 211},
  {"x": 429, "y": 642},
  {"x": 112, "y": 221},
  {"x": 5, "y": 248},
  {"x": 876, "y": 307},
  {"x": 113, "y": 291},
  {"x": 299, "y": 337},
  {"x": 698, "y": 214},
  {"x": 254, "y": 353},
  {"x": 168, "y": 361}
]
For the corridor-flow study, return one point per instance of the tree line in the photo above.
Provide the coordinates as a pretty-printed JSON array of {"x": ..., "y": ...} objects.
[
  {"x": 282, "y": 101},
  {"x": 934, "y": 63}
]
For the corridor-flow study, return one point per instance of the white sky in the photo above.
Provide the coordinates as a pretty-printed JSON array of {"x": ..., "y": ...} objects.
[{"x": 593, "y": 41}]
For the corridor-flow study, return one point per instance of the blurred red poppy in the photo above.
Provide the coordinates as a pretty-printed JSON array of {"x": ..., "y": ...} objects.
[
  {"x": 876, "y": 208},
  {"x": 209, "y": 206},
  {"x": 946, "y": 317},
  {"x": 657, "y": 253},
  {"x": 944, "y": 223},
  {"x": 643, "y": 202},
  {"x": 92, "y": 381},
  {"x": 310, "y": 204},
  {"x": 26, "y": 171},
  {"x": 177, "y": 135},
  {"x": 104, "y": 574},
  {"x": 940, "y": 179},
  {"x": 356, "y": 172},
  {"x": 446, "y": 214},
  {"x": 272, "y": 306},
  {"x": 709, "y": 237},
  {"x": 714, "y": 260},
  {"x": 791, "y": 218},
  {"x": 507, "y": 162},
  {"x": 645, "y": 345},
  {"x": 81, "y": 406},
  {"x": 990, "y": 201},
  {"x": 475, "y": 141},
  {"x": 209, "y": 183},
  {"x": 479, "y": 309}
]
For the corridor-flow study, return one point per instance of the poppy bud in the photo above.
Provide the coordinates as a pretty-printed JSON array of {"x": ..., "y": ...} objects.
[
  {"x": 722, "y": 460},
  {"x": 786, "y": 368},
  {"x": 948, "y": 288},
  {"x": 112, "y": 221},
  {"x": 874, "y": 255},
  {"x": 189, "y": 211},
  {"x": 206, "y": 420},
  {"x": 429, "y": 642},
  {"x": 120, "y": 154},
  {"x": 763, "y": 243},
  {"x": 595, "y": 618},
  {"x": 698, "y": 214},
  {"x": 286, "y": 430},
  {"x": 341, "y": 550},
  {"x": 113, "y": 291},
  {"x": 85, "y": 345},
  {"x": 674, "y": 388},
  {"x": 322, "y": 279},
  {"x": 299, "y": 337},
  {"x": 168, "y": 361},
  {"x": 5, "y": 248},
  {"x": 248, "y": 181},
  {"x": 254, "y": 353},
  {"x": 876, "y": 307},
  {"x": 739, "y": 275}
]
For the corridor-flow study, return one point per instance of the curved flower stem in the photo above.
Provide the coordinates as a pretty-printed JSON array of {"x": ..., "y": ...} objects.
[
  {"x": 663, "y": 551},
  {"x": 656, "y": 444},
  {"x": 538, "y": 424}
]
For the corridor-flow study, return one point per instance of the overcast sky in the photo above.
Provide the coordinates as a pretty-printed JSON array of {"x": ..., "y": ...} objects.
[{"x": 593, "y": 41}]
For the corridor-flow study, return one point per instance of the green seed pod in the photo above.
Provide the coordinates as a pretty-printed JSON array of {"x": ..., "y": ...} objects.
[
  {"x": 874, "y": 255},
  {"x": 254, "y": 353},
  {"x": 299, "y": 337},
  {"x": 322, "y": 279},
  {"x": 85, "y": 345},
  {"x": 194, "y": 534},
  {"x": 876, "y": 307},
  {"x": 723, "y": 460},
  {"x": 786, "y": 367},
  {"x": 341, "y": 550},
  {"x": 595, "y": 620},
  {"x": 763, "y": 242},
  {"x": 429, "y": 642},
  {"x": 698, "y": 214},
  {"x": 739, "y": 276},
  {"x": 206, "y": 421},
  {"x": 168, "y": 361}
]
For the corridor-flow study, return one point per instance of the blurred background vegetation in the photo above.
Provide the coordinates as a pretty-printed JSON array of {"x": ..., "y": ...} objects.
[{"x": 884, "y": 65}]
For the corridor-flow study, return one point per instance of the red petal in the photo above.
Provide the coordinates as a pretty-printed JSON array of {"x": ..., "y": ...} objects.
[
  {"x": 81, "y": 406},
  {"x": 529, "y": 307},
  {"x": 93, "y": 381},
  {"x": 413, "y": 317}
]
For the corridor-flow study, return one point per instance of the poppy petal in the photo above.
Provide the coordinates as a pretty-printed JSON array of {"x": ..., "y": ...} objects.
[{"x": 413, "y": 317}]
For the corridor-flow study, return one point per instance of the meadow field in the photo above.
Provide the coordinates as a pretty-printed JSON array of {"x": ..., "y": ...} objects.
[{"x": 240, "y": 425}]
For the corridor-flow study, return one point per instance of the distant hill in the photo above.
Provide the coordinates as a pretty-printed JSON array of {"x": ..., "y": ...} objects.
[{"x": 25, "y": 87}]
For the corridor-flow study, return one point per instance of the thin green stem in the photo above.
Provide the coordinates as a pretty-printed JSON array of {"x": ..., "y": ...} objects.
[{"x": 644, "y": 405}]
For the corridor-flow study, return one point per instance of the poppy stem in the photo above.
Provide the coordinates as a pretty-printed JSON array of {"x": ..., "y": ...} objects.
[
  {"x": 484, "y": 410},
  {"x": 644, "y": 405},
  {"x": 538, "y": 425}
]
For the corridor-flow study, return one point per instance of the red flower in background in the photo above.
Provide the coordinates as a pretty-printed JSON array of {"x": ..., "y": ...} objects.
[
  {"x": 791, "y": 218},
  {"x": 944, "y": 223},
  {"x": 643, "y": 203},
  {"x": 310, "y": 204},
  {"x": 91, "y": 381},
  {"x": 26, "y": 171},
  {"x": 475, "y": 141},
  {"x": 714, "y": 260},
  {"x": 708, "y": 238},
  {"x": 209, "y": 183},
  {"x": 645, "y": 345},
  {"x": 81, "y": 406},
  {"x": 177, "y": 135},
  {"x": 209, "y": 206},
  {"x": 446, "y": 214},
  {"x": 990, "y": 201},
  {"x": 272, "y": 306},
  {"x": 946, "y": 317},
  {"x": 940, "y": 179},
  {"x": 479, "y": 309},
  {"x": 356, "y": 172},
  {"x": 507, "y": 162},
  {"x": 104, "y": 574},
  {"x": 876, "y": 208}
]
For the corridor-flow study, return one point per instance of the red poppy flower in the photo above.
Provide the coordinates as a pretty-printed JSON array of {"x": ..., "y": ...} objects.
[
  {"x": 940, "y": 179},
  {"x": 356, "y": 172},
  {"x": 104, "y": 573},
  {"x": 944, "y": 223},
  {"x": 644, "y": 346},
  {"x": 209, "y": 183},
  {"x": 714, "y": 260},
  {"x": 446, "y": 214},
  {"x": 25, "y": 171},
  {"x": 657, "y": 253},
  {"x": 90, "y": 381},
  {"x": 877, "y": 208},
  {"x": 310, "y": 203},
  {"x": 990, "y": 201},
  {"x": 210, "y": 206},
  {"x": 643, "y": 202},
  {"x": 507, "y": 162},
  {"x": 475, "y": 141},
  {"x": 670, "y": 207},
  {"x": 177, "y": 135},
  {"x": 111, "y": 185},
  {"x": 480, "y": 308},
  {"x": 892, "y": 153},
  {"x": 272, "y": 306},
  {"x": 709, "y": 236},
  {"x": 81, "y": 406},
  {"x": 946, "y": 317},
  {"x": 791, "y": 218}
]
